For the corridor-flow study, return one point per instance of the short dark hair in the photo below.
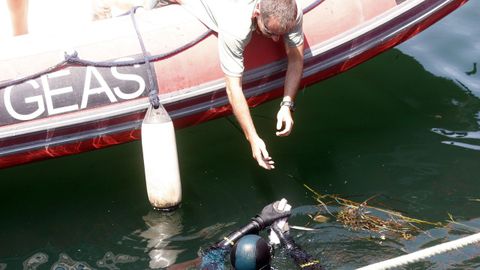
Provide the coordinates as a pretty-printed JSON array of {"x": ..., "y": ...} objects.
[{"x": 285, "y": 11}]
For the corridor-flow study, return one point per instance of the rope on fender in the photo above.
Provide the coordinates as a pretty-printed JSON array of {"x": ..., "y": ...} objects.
[
  {"x": 152, "y": 94},
  {"x": 424, "y": 253}
]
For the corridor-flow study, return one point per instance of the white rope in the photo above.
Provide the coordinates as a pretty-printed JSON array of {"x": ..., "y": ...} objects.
[{"x": 424, "y": 253}]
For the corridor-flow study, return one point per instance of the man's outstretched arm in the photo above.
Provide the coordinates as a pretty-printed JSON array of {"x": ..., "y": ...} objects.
[
  {"x": 292, "y": 82},
  {"x": 242, "y": 113}
]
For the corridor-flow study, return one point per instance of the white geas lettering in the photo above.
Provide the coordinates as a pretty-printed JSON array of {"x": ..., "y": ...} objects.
[
  {"x": 87, "y": 91},
  {"x": 49, "y": 93},
  {"x": 52, "y": 101},
  {"x": 35, "y": 99},
  {"x": 128, "y": 77}
]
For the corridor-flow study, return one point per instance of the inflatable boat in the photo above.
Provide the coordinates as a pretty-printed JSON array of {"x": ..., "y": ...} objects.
[{"x": 88, "y": 88}]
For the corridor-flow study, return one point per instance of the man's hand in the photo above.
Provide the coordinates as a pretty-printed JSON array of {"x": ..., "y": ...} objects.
[
  {"x": 284, "y": 121},
  {"x": 292, "y": 81},
  {"x": 260, "y": 153},
  {"x": 242, "y": 113}
]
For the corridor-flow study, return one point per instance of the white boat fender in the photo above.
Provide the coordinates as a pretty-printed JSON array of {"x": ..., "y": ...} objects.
[
  {"x": 160, "y": 159},
  {"x": 159, "y": 146}
]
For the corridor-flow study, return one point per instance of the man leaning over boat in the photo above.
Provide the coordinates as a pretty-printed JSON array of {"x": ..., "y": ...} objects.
[{"x": 234, "y": 21}]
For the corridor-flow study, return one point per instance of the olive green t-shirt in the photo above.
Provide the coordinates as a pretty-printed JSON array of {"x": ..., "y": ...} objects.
[{"x": 232, "y": 20}]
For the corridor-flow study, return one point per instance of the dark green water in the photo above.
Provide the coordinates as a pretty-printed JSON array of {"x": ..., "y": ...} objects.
[{"x": 367, "y": 132}]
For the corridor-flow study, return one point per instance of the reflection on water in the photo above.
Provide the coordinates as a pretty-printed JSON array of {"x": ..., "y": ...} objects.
[
  {"x": 35, "y": 261},
  {"x": 457, "y": 63},
  {"x": 473, "y": 71},
  {"x": 66, "y": 263},
  {"x": 160, "y": 228},
  {"x": 454, "y": 51},
  {"x": 113, "y": 262},
  {"x": 209, "y": 232},
  {"x": 459, "y": 135},
  {"x": 165, "y": 231}
]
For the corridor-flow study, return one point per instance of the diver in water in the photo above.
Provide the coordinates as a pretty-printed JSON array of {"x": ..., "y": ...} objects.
[{"x": 249, "y": 251}]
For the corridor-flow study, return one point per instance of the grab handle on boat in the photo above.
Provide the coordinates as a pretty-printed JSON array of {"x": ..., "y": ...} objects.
[{"x": 162, "y": 174}]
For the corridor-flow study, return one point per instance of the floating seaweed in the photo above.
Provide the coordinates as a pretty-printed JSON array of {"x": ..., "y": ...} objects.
[{"x": 361, "y": 216}]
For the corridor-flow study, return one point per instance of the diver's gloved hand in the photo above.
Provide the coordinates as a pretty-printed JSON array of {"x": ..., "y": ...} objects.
[
  {"x": 284, "y": 237},
  {"x": 271, "y": 213}
]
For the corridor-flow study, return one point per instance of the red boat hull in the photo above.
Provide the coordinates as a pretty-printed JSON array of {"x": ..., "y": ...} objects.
[{"x": 85, "y": 108}]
